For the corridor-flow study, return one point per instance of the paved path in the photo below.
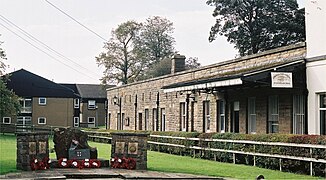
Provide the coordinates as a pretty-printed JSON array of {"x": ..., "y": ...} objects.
[{"x": 101, "y": 173}]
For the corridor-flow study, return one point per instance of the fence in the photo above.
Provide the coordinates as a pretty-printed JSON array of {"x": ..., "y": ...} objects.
[
  {"x": 14, "y": 128},
  {"x": 194, "y": 146}
]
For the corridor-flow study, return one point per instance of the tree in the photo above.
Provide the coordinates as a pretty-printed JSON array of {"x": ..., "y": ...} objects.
[
  {"x": 9, "y": 103},
  {"x": 119, "y": 60},
  {"x": 258, "y": 25},
  {"x": 135, "y": 48},
  {"x": 192, "y": 63},
  {"x": 163, "y": 67},
  {"x": 155, "y": 41}
]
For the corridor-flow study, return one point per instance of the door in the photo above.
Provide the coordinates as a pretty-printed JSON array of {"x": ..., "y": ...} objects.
[
  {"x": 140, "y": 121},
  {"x": 235, "y": 116}
]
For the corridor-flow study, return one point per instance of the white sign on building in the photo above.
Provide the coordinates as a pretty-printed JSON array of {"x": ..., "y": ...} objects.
[{"x": 281, "y": 80}]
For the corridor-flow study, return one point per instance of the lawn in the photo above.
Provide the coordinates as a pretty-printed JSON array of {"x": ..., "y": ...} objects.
[{"x": 158, "y": 162}]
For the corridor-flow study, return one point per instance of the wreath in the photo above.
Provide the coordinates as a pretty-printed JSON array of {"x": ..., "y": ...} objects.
[
  {"x": 124, "y": 163},
  {"x": 116, "y": 162},
  {"x": 43, "y": 164},
  {"x": 63, "y": 162},
  {"x": 95, "y": 163}
]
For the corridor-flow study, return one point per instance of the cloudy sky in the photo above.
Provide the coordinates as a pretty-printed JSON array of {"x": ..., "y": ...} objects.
[{"x": 39, "y": 38}]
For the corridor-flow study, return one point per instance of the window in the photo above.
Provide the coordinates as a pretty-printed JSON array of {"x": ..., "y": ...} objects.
[
  {"x": 163, "y": 119},
  {"x": 91, "y": 121},
  {"x": 252, "y": 115},
  {"x": 42, "y": 101},
  {"x": 221, "y": 116},
  {"x": 299, "y": 103},
  {"x": 273, "y": 114},
  {"x": 91, "y": 104},
  {"x": 6, "y": 120},
  {"x": 41, "y": 120},
  {"x": 146, "y": 119},
  {"x": 322, "y": 113},
  {"x": 76, "y": 103},
  {"x": 183, "y": 116},
  {"x": 154, "y": 118},
  {"x": 207, "y": 117},
  {"x": 26, "y": 105},
  {"x": 76, "y": 121}
]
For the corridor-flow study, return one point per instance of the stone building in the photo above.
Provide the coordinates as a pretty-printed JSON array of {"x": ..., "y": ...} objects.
[{"x": 260, "y": 93}]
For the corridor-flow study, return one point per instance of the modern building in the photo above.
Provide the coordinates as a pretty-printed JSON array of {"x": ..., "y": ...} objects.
[
  {"x": 46, "y": 103},
  {"x": 316, "y": 65}
]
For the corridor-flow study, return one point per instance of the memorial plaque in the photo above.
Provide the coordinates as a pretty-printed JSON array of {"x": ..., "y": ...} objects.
[
  {"x": 32, "y": 147},
  {"x": 42, "y": 147},
  {"x": 133, "y": 148},
  {"x": 79, "y": 154},
  {"x": 119, "y": 147}
]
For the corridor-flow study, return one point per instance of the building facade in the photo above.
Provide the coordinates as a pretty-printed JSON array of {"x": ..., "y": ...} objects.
[
  {"x": 46, "y": 103},
  {"x": 232, "y": 96}
]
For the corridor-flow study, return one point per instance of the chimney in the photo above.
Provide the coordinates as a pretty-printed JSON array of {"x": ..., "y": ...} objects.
[{"x": 178, "y": 63}]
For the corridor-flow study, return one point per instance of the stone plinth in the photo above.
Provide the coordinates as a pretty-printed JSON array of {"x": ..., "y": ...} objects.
[
  {"x": 31, "y": 145},
  {"x": 130, "y": 145}
]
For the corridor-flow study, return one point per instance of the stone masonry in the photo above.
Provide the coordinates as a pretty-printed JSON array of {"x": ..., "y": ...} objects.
[
  {"x": 130, "y": 145},
  {"x": 146, "y": 105},
  {"x": 31, "y": 145}
]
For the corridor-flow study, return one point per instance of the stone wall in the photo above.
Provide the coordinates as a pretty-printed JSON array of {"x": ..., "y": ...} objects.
[
  {"x": 31, "y": 145},
  {"x": 130, "y": 145},
  {"x": 136, "y": 97}
]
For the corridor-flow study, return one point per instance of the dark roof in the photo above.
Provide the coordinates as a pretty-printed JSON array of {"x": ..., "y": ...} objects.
[
  {"x": 27, "y": 84},
  {"x": 70, "y": 86},
  {"x": 95, "y": 91}
]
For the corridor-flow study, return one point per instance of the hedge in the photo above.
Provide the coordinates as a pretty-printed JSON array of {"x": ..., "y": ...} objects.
[{"x": 295, "y": 166}]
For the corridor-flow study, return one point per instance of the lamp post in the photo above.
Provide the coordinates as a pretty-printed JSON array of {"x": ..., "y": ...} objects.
[{"x": 117, "y": 101}]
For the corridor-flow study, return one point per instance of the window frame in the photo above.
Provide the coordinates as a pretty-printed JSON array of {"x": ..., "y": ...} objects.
[
  {"x": 39, "y": 118},
  {"x": 207, "y": 116},
  {"x": 3, "y": 120},
  {"x": 76, "y": 103},
  {"x": 221, "y": 115},
  {"x": 183, "y": 122},
  {"x": 322, "y": 111},
  {"x": 163, "y": 120},
  {"x": 91, "y": 105},
  {"x": 252, "y": 115},
  {"x": 299, "y": 114},
  {"x": 271, "y": 115},
  {"x": 76, "y": 124},
  {"x": 40, "y": 101}
]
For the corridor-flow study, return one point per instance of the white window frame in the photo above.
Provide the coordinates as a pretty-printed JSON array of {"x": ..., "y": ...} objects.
[
  {"x": 39, "y": 118},
  {"x": 252, "y": 116},
  {"x": 183, "y": 116},
  {"x": 76, "y": 103},
  {"x": 154, "y": 118},
  {"x": 76, "y": 121},
  {"x": 221, "y": 115},
  {"x": 91, "y": 124},
  {"x": 299, "y": 111},
  {"x": 24, "y": 108},
  {"x": 4, "y": 122},
  {"x": 273, "y": 113},
  {"x": 207, "y": 116},
  {"x": 42, "y": 101},
  {"x": 163, "y": 119},
  {"x": 91, "y": 104},
  {"x": 146, "y": 119}
]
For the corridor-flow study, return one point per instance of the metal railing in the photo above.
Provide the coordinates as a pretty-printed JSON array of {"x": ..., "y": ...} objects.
[{"x": 105, "y": 137}]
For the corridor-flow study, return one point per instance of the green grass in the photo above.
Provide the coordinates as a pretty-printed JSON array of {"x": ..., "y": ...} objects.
[{"x": 158, "y": 162}]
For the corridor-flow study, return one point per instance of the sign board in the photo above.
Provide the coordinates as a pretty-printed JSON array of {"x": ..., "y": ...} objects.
[{"x": 281, "y": 79}]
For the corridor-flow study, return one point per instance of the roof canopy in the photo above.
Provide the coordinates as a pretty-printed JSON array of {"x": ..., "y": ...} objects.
[{"x": 248, "y": 77}]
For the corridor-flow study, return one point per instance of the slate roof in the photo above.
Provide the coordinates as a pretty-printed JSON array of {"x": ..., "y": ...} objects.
[
  {"x": 27, "y": 84},
  {"x": 95, "y": 91}
]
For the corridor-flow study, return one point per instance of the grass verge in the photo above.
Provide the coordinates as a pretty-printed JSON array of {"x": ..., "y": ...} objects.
[{"x": 158, "y": 162}]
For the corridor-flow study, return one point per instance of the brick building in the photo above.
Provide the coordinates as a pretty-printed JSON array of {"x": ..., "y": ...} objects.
[{"x": 232, "y": 96}]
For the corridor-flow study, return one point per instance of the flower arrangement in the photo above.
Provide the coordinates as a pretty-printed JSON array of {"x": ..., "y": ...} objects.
[
  {"x": 123, "y": 163},
  {"x": 37, "y": 164},
  {"x": 73, "y": 163}
]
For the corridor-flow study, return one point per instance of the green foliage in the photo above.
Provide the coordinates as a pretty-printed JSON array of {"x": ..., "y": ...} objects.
[{"x": 258, "y": 25}]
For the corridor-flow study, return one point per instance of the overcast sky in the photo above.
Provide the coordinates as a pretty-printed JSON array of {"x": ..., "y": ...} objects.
[{"x": 192, "y": 20}]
